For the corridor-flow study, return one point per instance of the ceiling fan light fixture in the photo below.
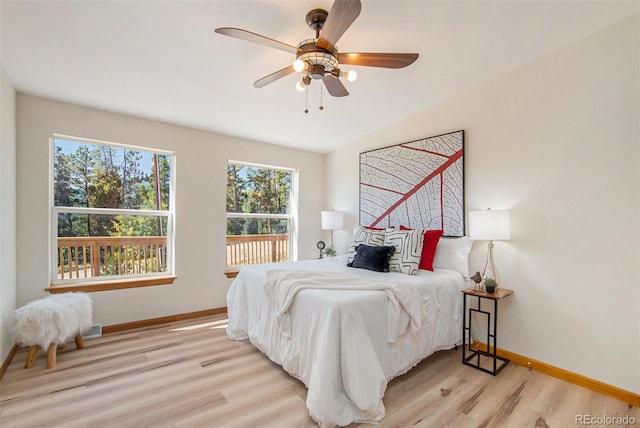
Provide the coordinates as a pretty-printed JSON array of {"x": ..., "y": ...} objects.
[
  {"x": 352, "y": 75},
  {"x": 299, "y": 65},
  {"x": 300, "y": 86}
]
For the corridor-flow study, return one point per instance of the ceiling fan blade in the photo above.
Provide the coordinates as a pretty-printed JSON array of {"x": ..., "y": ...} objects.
[
  {"x": 273, "y": 77},
  {"x": 256, "y": 38},
  {"x": 341, "y": 16},
  {"x": 383, "y": 60},
  {"x": 334, "y": 86}
]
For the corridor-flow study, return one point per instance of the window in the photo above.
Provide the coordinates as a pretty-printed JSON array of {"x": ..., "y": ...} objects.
[
  {"x": 112, "y": 213},
  {"x": 260, "y": 214}
]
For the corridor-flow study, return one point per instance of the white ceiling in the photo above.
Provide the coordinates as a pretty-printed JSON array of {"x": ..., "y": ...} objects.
[{"x": 162, "y": 59}]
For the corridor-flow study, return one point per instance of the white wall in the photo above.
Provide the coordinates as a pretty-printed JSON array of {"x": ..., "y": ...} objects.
[
  {"x": 7, "y": 210},
  {"x": 201, "y": 167},
  {"x": 557, "y": 143}
]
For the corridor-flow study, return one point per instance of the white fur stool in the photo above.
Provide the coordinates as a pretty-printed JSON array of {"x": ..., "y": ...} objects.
[{"x": 47, "y": 323}]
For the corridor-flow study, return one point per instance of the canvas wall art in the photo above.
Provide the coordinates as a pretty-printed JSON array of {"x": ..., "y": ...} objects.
[{"x": 419, "y": 184}]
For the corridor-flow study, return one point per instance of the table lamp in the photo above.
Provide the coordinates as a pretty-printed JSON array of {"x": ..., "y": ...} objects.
[
  {"x": 332, "y": 220},
  {"x": 490, "y": 225}
]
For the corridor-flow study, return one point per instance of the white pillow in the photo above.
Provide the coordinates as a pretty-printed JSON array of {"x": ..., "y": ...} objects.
[
  {"x": 363, "y": 235},
  {"x": 408, "y": 244},
  {"x": 453, "y": 254}
]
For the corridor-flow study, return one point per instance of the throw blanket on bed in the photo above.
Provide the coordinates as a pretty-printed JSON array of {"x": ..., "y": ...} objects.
[{"x": 404, "y": 307}]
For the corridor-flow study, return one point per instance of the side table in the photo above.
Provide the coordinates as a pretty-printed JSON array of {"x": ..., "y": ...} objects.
[{"x": 471, "y": 357}]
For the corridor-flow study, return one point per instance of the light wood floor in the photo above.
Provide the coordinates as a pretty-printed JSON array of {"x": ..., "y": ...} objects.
[{"x": 188, "y": 374}]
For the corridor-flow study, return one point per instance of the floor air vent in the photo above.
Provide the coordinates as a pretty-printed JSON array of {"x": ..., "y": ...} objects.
[{"x": 93, "y": 332}]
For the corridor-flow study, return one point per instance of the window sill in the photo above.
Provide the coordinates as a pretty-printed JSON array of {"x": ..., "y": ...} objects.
[
  {"x": 231, "y": 273},
  {"x": 90, "y": 287}
]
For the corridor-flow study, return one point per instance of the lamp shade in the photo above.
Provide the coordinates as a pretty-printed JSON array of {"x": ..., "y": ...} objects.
[
  {"x": 332, "y": 220},
  {"x": 490, "y": 225}
]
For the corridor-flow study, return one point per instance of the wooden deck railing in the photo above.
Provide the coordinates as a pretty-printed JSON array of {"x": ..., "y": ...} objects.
[
  {"x": 90, "y": 257},
  {"x": 253, "y": 249},
  {"x": 85, "y": 257}
]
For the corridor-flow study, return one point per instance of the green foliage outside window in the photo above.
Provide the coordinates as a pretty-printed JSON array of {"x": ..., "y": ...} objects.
[
  {"x": 257, "y": 190},
  {"x": 101, "y": 176}
]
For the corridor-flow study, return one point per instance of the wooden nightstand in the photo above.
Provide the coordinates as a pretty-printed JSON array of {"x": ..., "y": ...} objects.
[{"x": 472, "y": 357}]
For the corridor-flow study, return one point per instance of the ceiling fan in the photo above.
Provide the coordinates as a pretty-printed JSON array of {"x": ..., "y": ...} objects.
[{"x": 318, "y": 58}]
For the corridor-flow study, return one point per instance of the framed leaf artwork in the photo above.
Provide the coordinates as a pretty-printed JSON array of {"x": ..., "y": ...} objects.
[{"x": 419, "y": 184}]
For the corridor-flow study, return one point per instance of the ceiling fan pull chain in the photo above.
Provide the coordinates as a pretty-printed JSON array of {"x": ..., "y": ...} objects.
[
  {"x": 321, "y": 107},
  {"x": 306, "y": 99}
]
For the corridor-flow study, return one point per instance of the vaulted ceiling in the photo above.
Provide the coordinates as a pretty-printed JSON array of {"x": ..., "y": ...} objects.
[{"x": 162, "y": 60}]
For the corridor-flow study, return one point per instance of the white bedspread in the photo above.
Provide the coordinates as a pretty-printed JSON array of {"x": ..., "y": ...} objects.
[
  {"x": 337, "y": 337},
  {"x": 404, "y": 309}
]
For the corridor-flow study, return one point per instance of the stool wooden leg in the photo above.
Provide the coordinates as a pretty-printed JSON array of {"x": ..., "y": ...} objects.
[
  {"x": 79, "y": 341},
  {"x": 51, "y": 356},
  {"x": 31, "y": 356}
]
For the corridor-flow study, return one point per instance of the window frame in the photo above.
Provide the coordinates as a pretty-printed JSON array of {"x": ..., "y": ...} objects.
[
  {"x": 292, "y": 216},
  {"x": 109, "y": 282}
]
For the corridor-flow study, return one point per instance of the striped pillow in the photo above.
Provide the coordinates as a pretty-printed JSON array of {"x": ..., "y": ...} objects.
[
  {"x": 429, "y": 245},
  {"x": 408, "y": 244},
  {"x": 364, "y": 235}
]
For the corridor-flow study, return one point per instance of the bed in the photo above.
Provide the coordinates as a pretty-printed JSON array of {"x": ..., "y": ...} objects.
[{"x": 345, "y": 332}]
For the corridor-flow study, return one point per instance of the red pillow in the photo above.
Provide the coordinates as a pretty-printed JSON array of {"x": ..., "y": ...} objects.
[{"x": 429, "y": 244}]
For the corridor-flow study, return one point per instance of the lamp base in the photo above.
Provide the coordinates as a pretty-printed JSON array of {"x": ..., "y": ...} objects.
[{"x": 489, "y": 271}]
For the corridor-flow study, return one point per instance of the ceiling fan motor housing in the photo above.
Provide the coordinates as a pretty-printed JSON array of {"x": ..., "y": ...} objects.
[{"x": 320, "y": 61}]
